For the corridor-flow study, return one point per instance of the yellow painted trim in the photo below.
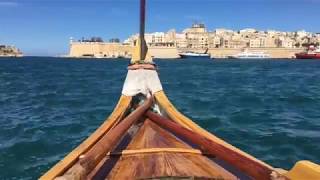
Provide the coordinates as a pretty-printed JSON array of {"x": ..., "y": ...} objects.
[
  {"x": 155, "y": 150},
  {"x": 136, "y": 56},
  {"x": 62, "y": 166},
  {"x": 175, "y": 115},
  {"x": 304, "y": 170}
]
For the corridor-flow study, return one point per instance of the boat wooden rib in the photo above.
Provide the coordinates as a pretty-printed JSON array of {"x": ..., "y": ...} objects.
[{"x": 146, "y": 138}]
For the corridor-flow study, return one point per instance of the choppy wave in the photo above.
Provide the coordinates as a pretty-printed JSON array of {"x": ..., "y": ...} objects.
[{"x": 267, "y": 108}]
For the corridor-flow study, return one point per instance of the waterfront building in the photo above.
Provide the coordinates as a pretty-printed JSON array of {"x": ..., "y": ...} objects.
[
  {"x": 10, "y": 51},
  {"x": 248, "y": 30},
  {"x": 215, "y": 41},
  {"x": 155, "y": 39},
  {"x": 302, "y": 33},
  {"x": 257, "y": 42},
  {"x": 318, "y": 38},
  {"x": 170, "y": 36},
  {"x": 232, "y": 42},
  {"x": 286, "y": 42},
  {"x": 181, "y": 40},
  {"x": 222, "y": 31},
  {"x": 197, "y": 37},
  {"x": 235, "y": 43},
  {"x": 272, "y": 33},
  {"x": 238, "y": 42}
]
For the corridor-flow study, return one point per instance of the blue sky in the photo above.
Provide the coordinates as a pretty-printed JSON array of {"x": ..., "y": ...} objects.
[{"x": 43, "y": 27}]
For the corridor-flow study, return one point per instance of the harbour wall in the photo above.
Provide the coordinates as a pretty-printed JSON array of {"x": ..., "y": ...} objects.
[
  {"x": 273, "y": 52},
  {"x": 164, "y": 52},
  {"x": 114, "y": 50}
]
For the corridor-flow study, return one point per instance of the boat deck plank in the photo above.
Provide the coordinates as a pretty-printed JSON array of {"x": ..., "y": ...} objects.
[
  {"x": 151, "y": 135},
  {"x": 162, "y": 164},
  {"x": 167, "y": 164}
]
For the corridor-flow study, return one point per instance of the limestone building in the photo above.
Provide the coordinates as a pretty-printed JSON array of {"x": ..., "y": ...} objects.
[
  {"x": 10, "y": 51},
  {"x": 197, "y": 37}
]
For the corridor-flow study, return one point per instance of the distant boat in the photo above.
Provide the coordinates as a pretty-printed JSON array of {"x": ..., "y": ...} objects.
[
  {"x": 311, "y": 53},
  {"x": 250, "y": 55},
  {"x": 190, "y": 54}
]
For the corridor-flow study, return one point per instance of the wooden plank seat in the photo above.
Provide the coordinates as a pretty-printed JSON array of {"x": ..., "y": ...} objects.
[
  {"x": 156, "y": 153},
  {"x": 154, "y": 150}
]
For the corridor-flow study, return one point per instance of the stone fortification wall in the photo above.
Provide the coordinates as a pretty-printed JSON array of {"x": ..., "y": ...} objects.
[
  {"x": 164, "y": 52},
  {"x": 114, "y": 50},
  {"x": 99, "y": 50}
]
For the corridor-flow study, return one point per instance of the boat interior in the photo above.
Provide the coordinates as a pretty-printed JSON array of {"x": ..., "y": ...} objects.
[
  {"x": 147, "y": 138},
  {"x": 147, "y": 147}
]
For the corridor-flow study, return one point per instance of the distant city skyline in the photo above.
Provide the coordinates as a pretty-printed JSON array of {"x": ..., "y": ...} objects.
[{"x": 44, "y": 27}]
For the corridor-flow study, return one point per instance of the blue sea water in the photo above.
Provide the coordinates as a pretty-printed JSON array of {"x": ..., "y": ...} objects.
[{"x": 268, "y": 108}]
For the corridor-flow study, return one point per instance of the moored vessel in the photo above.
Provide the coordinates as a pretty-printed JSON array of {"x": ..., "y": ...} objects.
[
  {"x": 250, "y": 55},
  {"x": 311, "y": 53},
  {"x": 190, "y": 54},
  {"x": 147, "y": 138}
]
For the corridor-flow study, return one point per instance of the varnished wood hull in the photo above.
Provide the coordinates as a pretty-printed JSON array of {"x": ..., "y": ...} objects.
[
  {"x": 151, "y": 151},
  {"x": 135, "y": 143},
  {"x": 153, "y": 146}
]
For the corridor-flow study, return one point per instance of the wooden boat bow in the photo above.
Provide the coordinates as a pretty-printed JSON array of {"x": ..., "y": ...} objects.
[
  {"x": 90, "y": 160},
  {"x": 155, "y": 141}
]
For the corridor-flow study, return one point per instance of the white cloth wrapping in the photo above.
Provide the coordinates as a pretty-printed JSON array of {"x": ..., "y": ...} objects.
[{"x": 141, "y": 81}]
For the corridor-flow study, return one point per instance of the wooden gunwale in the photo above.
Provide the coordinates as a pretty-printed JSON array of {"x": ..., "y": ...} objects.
[
  {"x": 90, "y": 160},
  {"x": 62, "y": 166},
  {"x": 114, "y": 119},
  {"x": 248, "y": 166},
  {"x": 178, "y": 117}
]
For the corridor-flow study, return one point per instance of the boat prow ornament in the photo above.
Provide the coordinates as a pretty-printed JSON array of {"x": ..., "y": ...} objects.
[{"x": 142, "y": 76}]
